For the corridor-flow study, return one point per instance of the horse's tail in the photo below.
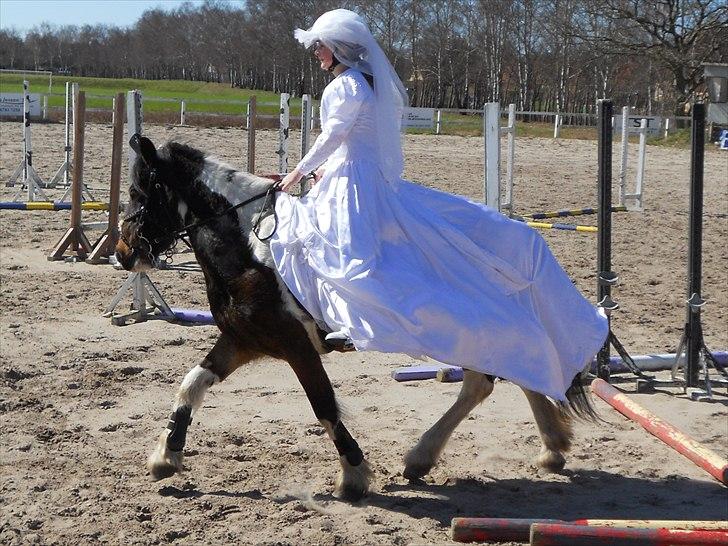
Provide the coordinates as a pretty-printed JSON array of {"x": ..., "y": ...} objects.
[{"x": 578, "y": 400}]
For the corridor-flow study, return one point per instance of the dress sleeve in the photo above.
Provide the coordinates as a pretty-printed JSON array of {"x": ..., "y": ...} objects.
[{"x": 342, "y": 101}]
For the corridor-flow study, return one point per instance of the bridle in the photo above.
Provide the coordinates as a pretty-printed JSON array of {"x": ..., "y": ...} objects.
[{"x": 142, "y": 216}]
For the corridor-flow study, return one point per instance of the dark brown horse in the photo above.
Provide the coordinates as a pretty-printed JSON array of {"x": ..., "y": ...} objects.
[{"x": 226, "y": 214}]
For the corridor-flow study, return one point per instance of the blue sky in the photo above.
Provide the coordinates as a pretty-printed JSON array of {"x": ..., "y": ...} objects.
[{"x": 22, "y": 15}]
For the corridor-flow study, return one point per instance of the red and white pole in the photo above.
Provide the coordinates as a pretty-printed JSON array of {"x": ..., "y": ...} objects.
[{"x": 705, "y": 458}]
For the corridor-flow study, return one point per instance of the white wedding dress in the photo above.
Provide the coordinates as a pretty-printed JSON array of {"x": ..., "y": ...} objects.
[{"x": 398, "y": 267}]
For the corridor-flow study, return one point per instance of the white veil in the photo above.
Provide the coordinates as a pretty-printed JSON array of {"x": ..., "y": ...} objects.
[{"x": 346, "y": 34}]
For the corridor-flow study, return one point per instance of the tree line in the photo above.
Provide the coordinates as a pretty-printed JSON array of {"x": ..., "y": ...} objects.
[{"x": 543, "y": 55}]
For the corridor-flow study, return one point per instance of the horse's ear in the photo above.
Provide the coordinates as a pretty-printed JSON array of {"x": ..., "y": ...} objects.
[{"x": 144, "y": 147}]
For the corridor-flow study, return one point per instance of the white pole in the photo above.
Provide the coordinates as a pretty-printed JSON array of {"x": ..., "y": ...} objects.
[
  {"x": 69, "y": 147},
  {"x": 557, "y": 126},
  {"x": 667, "y": 127},
  {"x": 305, "y": 123},
  {"x": 438, "y": 125},
  {"x": 284, "y": 120},
  {"x": 641, "y": 163},
  {"x": 27, "y": 145},
  {"x": 623, "y": 165},
  {"x": 182, "y": 108},
  {"x": 511, "y": 130},
  {"x": 45, "y": 107},
  {"x": 305, "y": 132},
  {"x": 134, "y": 120},
  {"x": 491, "y": 133}
]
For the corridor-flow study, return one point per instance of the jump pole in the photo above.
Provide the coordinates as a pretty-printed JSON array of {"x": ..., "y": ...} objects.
[
  {"x": 554, "y": 534},
  {"x": 74, "y": 236},
  {"x": 250, "y": 122},
  {"x": 107, "y": 243},
  {"x": 283, "y": 129},
  {"x": 85, "y": 193},
  {"x": 305, "y": 133},
  {"x": 61, "y": 176},
  {"x": 705, "y": 458},
  {"x": 492, "y": 132},
  {"x": 30, "y": 179},
  {"x": 519, "y": 529},
  {"x": 626, "y": 131},
  {"x": 692, "y": 341},
  {"x": 491, "y": 135},
  {"x": 646, "y": 363}
]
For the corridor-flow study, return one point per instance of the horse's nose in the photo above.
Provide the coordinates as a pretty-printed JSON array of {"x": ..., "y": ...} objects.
[{"x": 125, "y": 255}]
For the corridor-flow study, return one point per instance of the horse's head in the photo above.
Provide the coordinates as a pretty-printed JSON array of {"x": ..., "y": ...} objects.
[{"x": 152, "y": 220}]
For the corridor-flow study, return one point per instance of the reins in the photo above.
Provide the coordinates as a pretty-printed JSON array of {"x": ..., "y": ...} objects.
[{"x": 184, "y": 231}]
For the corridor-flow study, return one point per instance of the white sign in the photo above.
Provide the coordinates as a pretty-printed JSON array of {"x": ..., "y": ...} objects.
[
  {"x": 633, "y": 122},
  {"x": 418, "y": 118},
  {"x": 11, "y": 105}
]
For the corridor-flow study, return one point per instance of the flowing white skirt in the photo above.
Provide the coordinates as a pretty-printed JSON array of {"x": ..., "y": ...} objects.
[{"x": 401, "y": 268}]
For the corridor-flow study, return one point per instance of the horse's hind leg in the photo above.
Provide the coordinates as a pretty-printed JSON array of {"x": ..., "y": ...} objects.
[
  {"x": 554, "y": 427},
  {"x": 221, "y": 361},
  {"x": 421, "y": 458}
]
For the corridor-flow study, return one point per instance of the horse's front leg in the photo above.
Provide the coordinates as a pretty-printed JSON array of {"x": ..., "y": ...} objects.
[
  {"x": 353, "y": 480},
  {"x": 221, "y": 361}
]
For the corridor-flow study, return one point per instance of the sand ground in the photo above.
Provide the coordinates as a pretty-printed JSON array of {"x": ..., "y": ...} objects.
[{"x": 82, "y": 401}]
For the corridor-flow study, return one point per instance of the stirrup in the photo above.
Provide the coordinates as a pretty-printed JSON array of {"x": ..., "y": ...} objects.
[{"x": 338, "y": 341}]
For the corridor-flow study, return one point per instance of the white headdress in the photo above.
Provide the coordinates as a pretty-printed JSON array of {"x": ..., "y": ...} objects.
[{"x": 346, "y": 34}]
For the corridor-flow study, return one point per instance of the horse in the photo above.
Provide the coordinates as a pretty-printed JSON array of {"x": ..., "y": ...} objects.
[{"x": 178, "y": 191}]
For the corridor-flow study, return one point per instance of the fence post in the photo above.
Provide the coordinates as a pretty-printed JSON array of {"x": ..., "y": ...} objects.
[
  {"x": 45, "y": 107},
  {"x": 284, "y": 121},
  {"x": 667, "y": 127},
  {"x": 491, "y": 133},
  {"x": 557, "y": 126},
  {"x": 182, "y": 109},
  {"x": 250, "y": 122},
  {"x": 438, "y": 124}
]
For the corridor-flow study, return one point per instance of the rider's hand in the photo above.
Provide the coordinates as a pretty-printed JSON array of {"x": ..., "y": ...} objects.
[
  {"x": 318, "y": 174},
  {"x": 290, "y": 180}
]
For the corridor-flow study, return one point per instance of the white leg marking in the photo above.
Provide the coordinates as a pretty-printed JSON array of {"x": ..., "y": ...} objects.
[
  {"x": 193, "y": 388},
  {"x": 421, "y": 458},
  {"x": 162, "y": 462}
]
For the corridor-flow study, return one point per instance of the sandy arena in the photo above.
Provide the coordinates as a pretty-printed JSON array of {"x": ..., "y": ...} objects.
[{"x": 82, "y": 401}]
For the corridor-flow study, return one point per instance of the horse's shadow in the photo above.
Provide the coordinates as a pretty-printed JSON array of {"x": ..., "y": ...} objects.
[
  {"x": 588, "y": 494},
  {"x": 591, "y": 494}
]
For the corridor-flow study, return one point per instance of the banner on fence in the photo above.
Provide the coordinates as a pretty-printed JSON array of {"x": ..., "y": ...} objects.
[
  {"x": 653, "y": 123},
  {"x": 11, "y": 105},
  {"x": 418, "y": 118}
]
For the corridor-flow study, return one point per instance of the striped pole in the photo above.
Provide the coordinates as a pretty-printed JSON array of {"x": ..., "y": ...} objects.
[
  {"x": 554, "y": 534},
  {"x": 570, "y": 212},
  {"x": 519, "y": 529},
  {"x": 564, "y": 227},
  {"x": 705, "y": 458},
  {"x": 52, "y": 205}
]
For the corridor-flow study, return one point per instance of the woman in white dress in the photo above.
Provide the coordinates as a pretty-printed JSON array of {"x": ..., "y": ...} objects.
[{"x": 397, "y": 267}]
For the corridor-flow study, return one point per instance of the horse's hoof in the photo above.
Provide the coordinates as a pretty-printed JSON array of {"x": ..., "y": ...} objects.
[
  {"x": 551, "y": 461},
  {"x": 162, "y": 471},
  {"x": 415, "y": 473},
  {"x": 352, "y": 483},
  {"x": 415, "y": 465},
  {"x": 163, "y": 463}
]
